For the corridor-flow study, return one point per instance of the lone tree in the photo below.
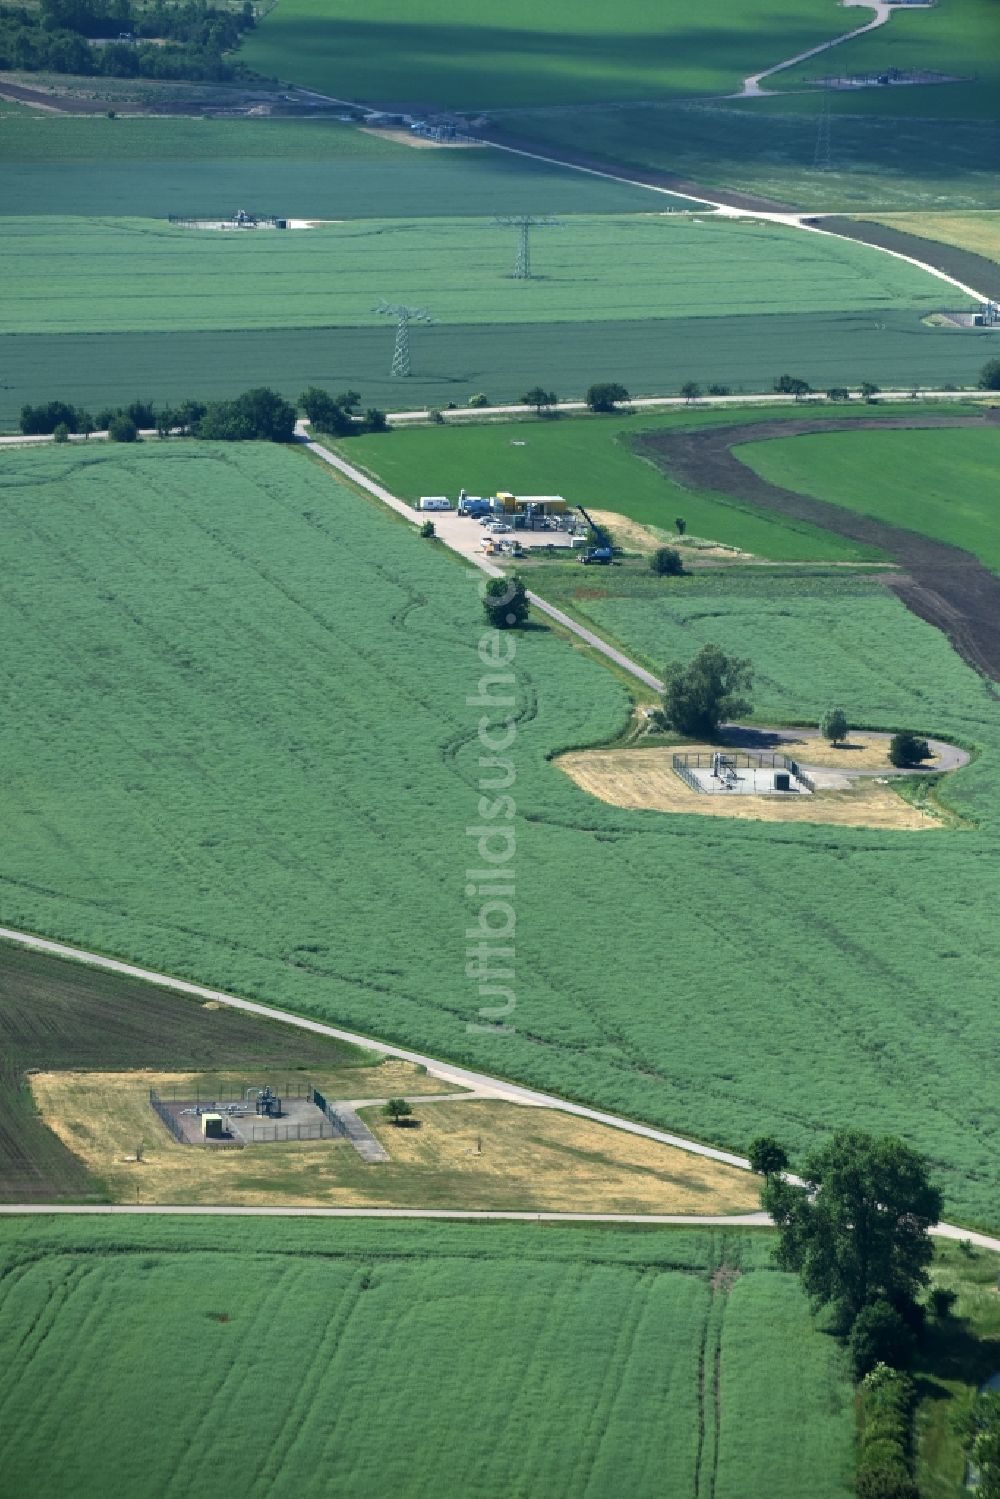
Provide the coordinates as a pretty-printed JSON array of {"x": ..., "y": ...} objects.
[
  {"x": 989, "y": 375},
  {"x": 857, "y": 1232},
  {"x": 680, "y": 525},
  {"x": 397, "y": 1109},
  {"x": 869, "y": 390},
  {"x": 709, "y": 689},
  {"x": 907, "y": 749},
  {"x": 834, "y": 726},
  {"x": 606, "y": 396},
  {"x": 838, "y": 393},
  {"x": 122, "y": 428},
  {"x": 505, "y": 601},
  {"x": 691, "y": 391},
  {"x": 767, "y": 1156},
  {"x": 666, "y": 562},
  {"x": 540, "y": 398}
]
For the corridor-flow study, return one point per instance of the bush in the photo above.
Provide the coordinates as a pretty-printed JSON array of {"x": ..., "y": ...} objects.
[
  {"x": 942, "y": 1301},
  {"x": 428, "y": 529},
  {"x": 886, "y": 1483},
  {"x": 989, "y": 375},
  {"x": 260, "y": 413},
  {"x": 838, "y": 393},
  {"x": 907, "y": 749},
  {"x": 886, "y": 1399},
  {"x": 61, "y": 434},
  {"x": 480, "y": 398},
  {"x": 666, "y": 563},
  {"x": 606, "y": 396},
  {"x": 720, "y": 390},
  {"x": 834, "y": 726},
  {"x": 879, "y": 1336},
  {"x": 791, "y": 385},
  {"x": 121, "y": 428},
  {"x": 375, "y": 420},
  {"x": 324, "y": 412},
  {"x": 42, "y": 421},
  {"x": 436, "y": 416}
]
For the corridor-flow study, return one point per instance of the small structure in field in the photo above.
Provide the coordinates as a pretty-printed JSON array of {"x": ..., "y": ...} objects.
[
  {"x": 746, "y": 773},
  {"x": 213, "y": 1126}
]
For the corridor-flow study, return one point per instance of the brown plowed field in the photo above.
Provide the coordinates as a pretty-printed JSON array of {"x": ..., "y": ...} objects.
[{"x": 946, "y": 586}]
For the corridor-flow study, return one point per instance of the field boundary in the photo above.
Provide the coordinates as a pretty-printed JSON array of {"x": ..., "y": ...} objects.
[{"x": 492, "y": 1087}]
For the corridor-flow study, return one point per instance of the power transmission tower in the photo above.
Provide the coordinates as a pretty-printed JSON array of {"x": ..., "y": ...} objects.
[
  {"x": 404, "y": 317},
  {"x": 524, "y": 223},
  {"x": 822, "y": 154}
]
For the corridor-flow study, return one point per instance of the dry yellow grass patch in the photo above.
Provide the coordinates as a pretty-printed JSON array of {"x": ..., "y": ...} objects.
[
  {"x": 978, "y": 232},
  {"x": 646, "y": 779},
  {"x": 861, "y": 751},
  {"x": 406, "y": 138},
  {"x": 505, "y": 1154},
  {"x": 479, "y": 1154}
]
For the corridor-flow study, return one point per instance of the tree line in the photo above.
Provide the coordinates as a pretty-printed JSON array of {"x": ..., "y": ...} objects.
[
  {"x": 58, "y": 38},
  {"x": 256, "y": 414}
]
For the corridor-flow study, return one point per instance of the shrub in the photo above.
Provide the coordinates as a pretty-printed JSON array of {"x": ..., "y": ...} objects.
[
  {"x": 720, "y": 390},
  {"x": 375, "y": 420},
  {"x": 838, "y": 393},
  {"x": 61, "y": 434},
  {"x": 428, "y": 529},
  {"x": 480, "y": 398},
  {"x": 941, "y": 1301},
  {"x": 907, "y": 749},
  {"x": 41, "y": 421},
  {"x": 121, "y": 428},
  {"x": 606, "y": 396},
  {"x": 666, "y": 563},
  {"x": 879, "y": 1335},
  {"x": 436, "y": 416},
  {"x": 791, "y": 385},
  {"x": 989, "y": 375}
]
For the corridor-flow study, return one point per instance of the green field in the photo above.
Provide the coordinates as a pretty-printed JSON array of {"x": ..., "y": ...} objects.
[
  {"x": 589, "y": 460},
  {"x": 906, "y": 148},
  {"x": 943, "y": 484},
  {"x": 450, "y": 362},
  {"x": 72, "y": 275},
  {"x": 55, "y": 1014},
  {"x": 150, "y": 168},
  {"x": 384, "y": 1358},
  {"x": 381, "y": 53},
  {"x": 250, "y": 760}
]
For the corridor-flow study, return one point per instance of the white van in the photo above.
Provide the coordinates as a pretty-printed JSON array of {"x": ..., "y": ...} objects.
[{"x": 434, "y": 502}]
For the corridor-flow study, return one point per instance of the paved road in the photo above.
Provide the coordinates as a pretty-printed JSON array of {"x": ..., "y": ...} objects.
[
  {"x": 751, "y": 86},
  {"x": 481, "y": 1083}
]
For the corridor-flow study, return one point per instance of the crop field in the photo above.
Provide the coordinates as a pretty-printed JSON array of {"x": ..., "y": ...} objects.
[
  {"x": 566, "y": 54},
  {"x": 62, "y": 1015},
  {"x": 905, "y": 148},
  {"x": 945, "y": 484},
  {"x": 81, "y": 275},
  {"x": 374, "y": 1353},
  {"x": 288, "y": 755},
  {"x": 149, "y": 168},
  {"x": 450, "y": 362}
]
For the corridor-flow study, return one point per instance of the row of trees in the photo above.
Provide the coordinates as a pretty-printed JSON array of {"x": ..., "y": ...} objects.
[
  {"x": 258, "y": 413},
  {"x": 56, "y": 39}
]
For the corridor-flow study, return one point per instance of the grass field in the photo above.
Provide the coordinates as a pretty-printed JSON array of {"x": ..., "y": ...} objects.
[
  {"x": 589, "y": 461},
  {"x": 567, "y": 54},
  {"x": 149, "y": 168},
  {"x": 943, "y": 484},
  {"x": 907, "y": 148},
  {"x": 653, "y": 357},
  {"x": 288, "y": 756},
  {"x": 476, "y": 1154},
  {"x": 83, "y": 275},
  {"x": 371, "y": 1354},
  {"x": 978, "y": 232},
  {"x": 63, "y": 1015}
]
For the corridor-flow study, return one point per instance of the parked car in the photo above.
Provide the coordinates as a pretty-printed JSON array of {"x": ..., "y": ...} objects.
[
  {"x": 499, "y": 527},
  {"x": 602, "y": 556}
]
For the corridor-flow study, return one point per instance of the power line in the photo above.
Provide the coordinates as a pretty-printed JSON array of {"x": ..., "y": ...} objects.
[
  {"x": 524, "y": 223},
  {"x": 404, "y": 317}
]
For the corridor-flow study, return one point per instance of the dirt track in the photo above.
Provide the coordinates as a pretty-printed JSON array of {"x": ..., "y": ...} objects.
[{"x": 948, "y": 587}]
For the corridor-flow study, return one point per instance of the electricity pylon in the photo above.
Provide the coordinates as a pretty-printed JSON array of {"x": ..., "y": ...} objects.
[
  {"x": 524, "y": 223},
  {"x": 404, "y": 317},
  {"x": 822, "y": 154}
]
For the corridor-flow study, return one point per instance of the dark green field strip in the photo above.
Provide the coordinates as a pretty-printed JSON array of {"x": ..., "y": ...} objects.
[
  {"x": 977, "y": 271},
  {"x": 451, "y": 362},
  {"x": 56, "y": 1014},
  {"x": 423, "y": 185}
]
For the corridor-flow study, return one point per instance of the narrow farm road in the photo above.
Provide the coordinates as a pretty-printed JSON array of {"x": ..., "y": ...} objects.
[
  {"x": 481, "y": 1083},
  {"x": 751, "y": 86}
]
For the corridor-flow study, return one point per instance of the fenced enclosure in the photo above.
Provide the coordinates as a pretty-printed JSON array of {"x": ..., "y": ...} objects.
[
  {"x": 270, "y": 1134},
  {"x": 742, "y": 772},
  {"x": 197, "y": 1092}
]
